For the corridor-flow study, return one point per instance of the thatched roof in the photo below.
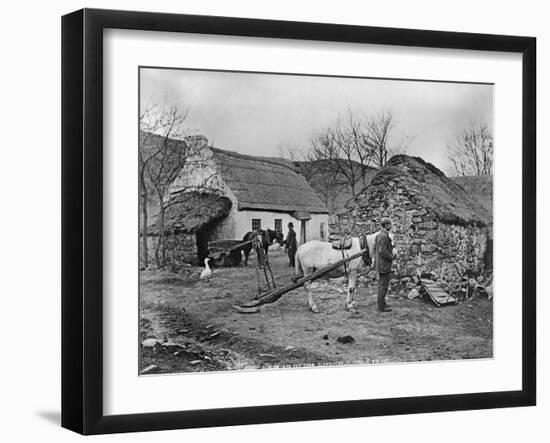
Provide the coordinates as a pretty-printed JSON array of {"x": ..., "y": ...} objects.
[
  {"x": 429, "y": 188},
  {"x": 267, "y": 183},
  {"x": 190, "y": 212},
  {"x": 480, "y": 187}
]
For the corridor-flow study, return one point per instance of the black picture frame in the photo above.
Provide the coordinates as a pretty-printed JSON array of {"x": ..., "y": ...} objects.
[{"x": 82, "y": 218}]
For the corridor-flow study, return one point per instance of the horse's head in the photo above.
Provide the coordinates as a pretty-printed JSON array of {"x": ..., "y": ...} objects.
[
  {"x": 279, "y": 237},
  {"x": 271, "y": 236}
]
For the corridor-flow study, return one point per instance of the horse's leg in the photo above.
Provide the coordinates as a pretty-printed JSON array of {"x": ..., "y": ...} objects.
[{"x": 310, "y": 297}]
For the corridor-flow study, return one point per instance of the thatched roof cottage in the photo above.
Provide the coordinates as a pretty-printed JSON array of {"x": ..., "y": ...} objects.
[
  {"x": 438, "y": 225},
  {"x": 260, "y": 192}
]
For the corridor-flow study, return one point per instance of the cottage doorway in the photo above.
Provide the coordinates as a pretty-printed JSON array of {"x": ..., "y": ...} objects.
[
  {"x": 203, "y": 236},
  {"x": 303, "y": 237},
  {"x": 303, "y": 216}
]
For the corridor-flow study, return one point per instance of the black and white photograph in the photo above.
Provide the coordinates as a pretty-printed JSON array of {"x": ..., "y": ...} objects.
[
  {"x": 290, "y": 221},
  {"x": 275, "y": 221}
]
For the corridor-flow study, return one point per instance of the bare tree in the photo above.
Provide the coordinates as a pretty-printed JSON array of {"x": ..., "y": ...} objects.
[
  {"x": 290, "y": 151},
  {"x": 331, "y": 184},
  {"x": 345, "y": 152},
  {"x": 144, "y": 201},
  {"x": 343, "y": 148},
  {"x": 150, "y": 122},
  {"x": 165, "y": 150},
  {"x": 378, "y": 130},
  {"x": 325, "y": 178},
  {"x": 402, "y": 146},
  {"x": 162, "y": 154},
  {"x": 301, "y": 158},
  {"x": 471, "y": 152}
]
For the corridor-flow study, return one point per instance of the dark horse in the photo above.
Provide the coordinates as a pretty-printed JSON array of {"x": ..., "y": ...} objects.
[{"x": 268, "y": 236}]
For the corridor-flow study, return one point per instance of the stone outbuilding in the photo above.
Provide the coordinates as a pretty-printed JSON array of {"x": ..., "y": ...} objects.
[{"x": 438, "y": 226}]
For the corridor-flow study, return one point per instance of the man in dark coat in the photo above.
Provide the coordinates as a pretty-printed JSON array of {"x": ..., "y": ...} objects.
[
  {"x": 384, "y": 257},
  {"x": 290, "y": 244}
]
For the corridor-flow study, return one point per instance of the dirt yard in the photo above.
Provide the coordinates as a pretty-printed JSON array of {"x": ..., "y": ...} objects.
[{"x": 189, "y": 325}]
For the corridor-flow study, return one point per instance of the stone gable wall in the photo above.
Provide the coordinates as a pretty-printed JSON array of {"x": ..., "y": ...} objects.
[{"x": 422, "y": 241}]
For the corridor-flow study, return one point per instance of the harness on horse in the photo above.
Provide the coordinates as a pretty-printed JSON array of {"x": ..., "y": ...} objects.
[
  {"x": 342, "y": 243},
  {"x": 345, "y": 243},
  {"x": 367, "y": 259}
]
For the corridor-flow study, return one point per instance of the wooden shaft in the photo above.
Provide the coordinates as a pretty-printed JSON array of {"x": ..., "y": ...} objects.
[
  {"x": 271, "y": 273},
  {"x": 272, "y": 296},
  {"x": 240, "y": 245},
  {"x": 258, "y": 279},
  {"x": 266, "y": 277}
]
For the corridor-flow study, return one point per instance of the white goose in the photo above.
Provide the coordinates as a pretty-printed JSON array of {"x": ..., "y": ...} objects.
[{"x": 207, "y": 272}]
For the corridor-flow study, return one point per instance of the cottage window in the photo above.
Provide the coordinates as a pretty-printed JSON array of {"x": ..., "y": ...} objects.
[
  {"x": 256, "y": 224},
  {"x": 322, "y": 231},
  {"x": 279, "y": 224}
]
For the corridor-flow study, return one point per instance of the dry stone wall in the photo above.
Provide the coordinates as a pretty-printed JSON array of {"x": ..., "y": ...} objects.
[
  {"x": 424, "y": 242},
  {"x": 180, "y": 248}
]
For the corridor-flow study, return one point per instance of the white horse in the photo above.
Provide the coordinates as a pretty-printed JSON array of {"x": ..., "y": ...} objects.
[{"x": 315, "y": 255}]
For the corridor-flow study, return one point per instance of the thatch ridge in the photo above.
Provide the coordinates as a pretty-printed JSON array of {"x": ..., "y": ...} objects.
[
  {"x": 267, "y": 183},
  {"x": 403, "y": 159}
]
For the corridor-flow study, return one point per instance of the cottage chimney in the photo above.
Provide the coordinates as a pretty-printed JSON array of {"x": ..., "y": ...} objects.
[{"x": 197, "y": 141}]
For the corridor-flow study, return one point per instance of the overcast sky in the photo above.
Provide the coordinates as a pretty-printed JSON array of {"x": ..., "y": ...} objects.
[{"x": 256, "y": 113}]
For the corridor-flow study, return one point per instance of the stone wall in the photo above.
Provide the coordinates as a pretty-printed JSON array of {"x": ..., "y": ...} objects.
[
  {"x": 423, "y": 242},
  {"x": 185, "y": 249},
  {"x": 181, "y": 248}
]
